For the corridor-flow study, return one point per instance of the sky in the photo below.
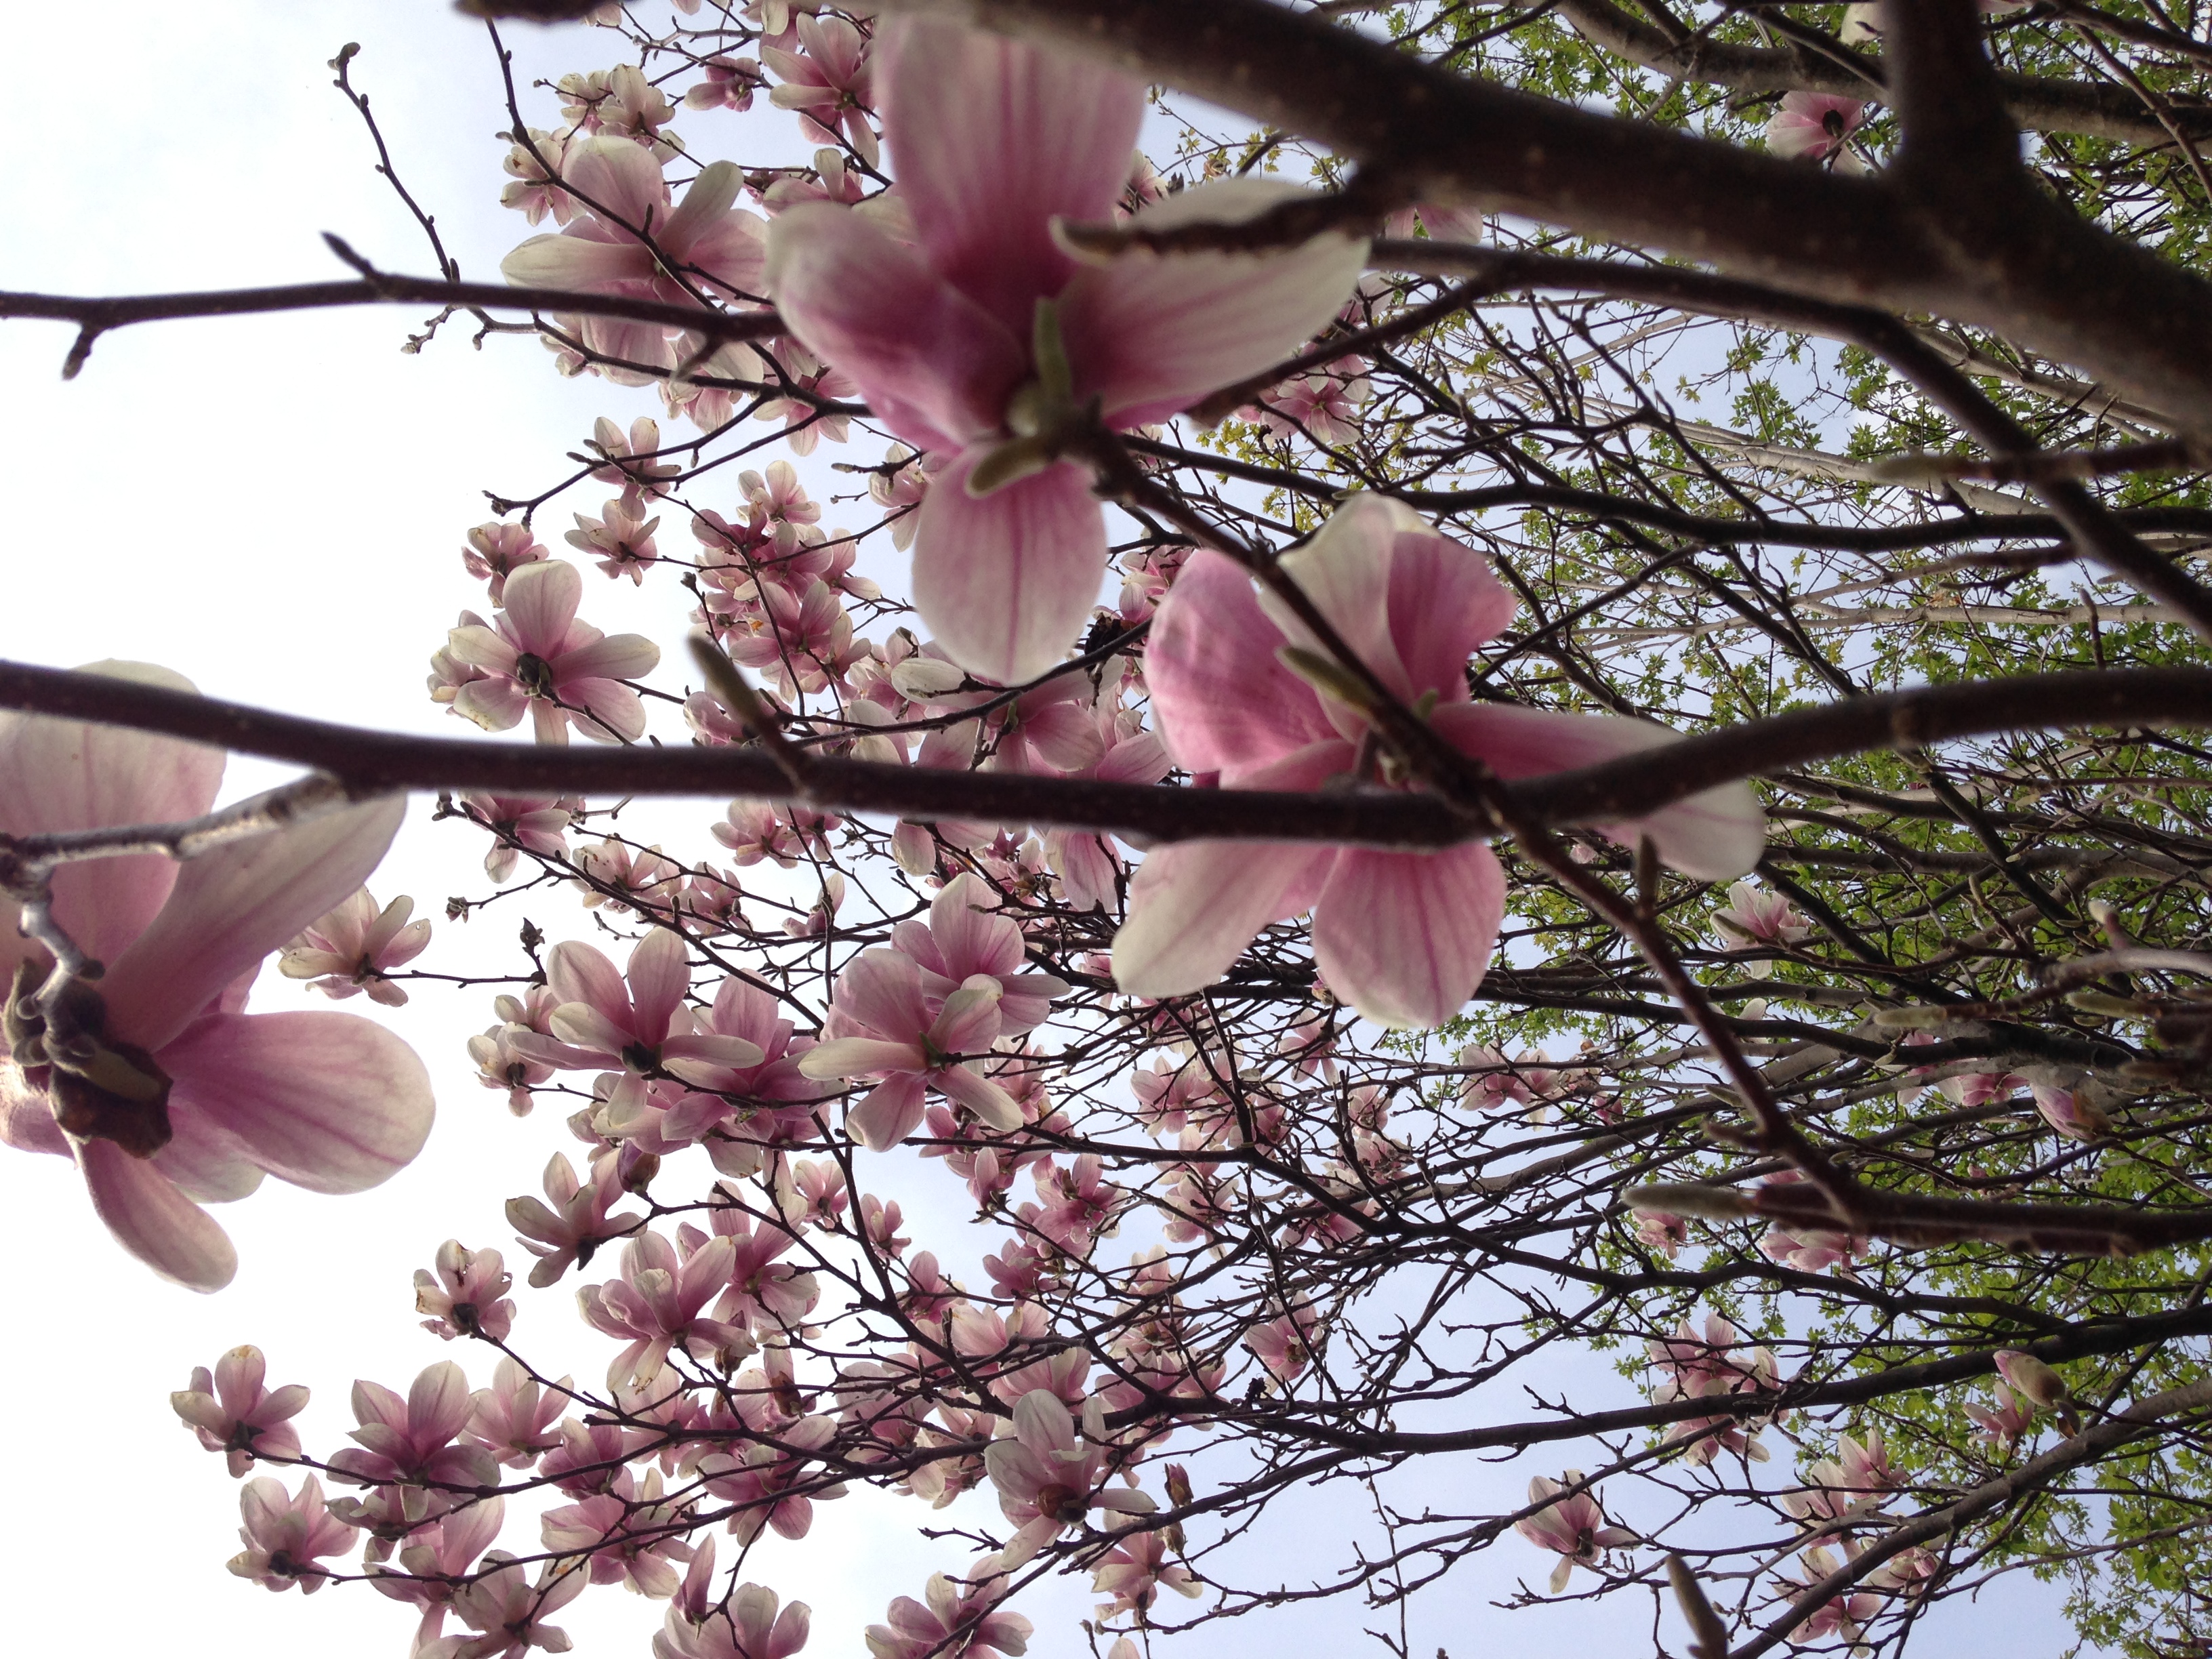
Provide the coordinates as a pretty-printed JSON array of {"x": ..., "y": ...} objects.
[{"x": 275, "y": 506}]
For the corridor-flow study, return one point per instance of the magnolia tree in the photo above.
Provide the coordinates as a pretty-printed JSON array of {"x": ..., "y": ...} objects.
[{"x": 1489, "y": 754}]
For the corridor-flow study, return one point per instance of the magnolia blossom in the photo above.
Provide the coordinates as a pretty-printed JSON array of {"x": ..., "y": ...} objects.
[
  {"x": 957, "y": 1619},
  {"x": 2037, "y": 1382},
  {"x": 1403, "y": 937},
  {"x": 466, "y": 1295},
  {"x": 1754, "y": 917},
  {"x": 285, "y": 1534},
  {"x": 746, "y": 1625},
  {"x": 1050, "y": 1476},
  {"x": 2001, "y": 1424},
  {"x": 701, "y": 246},
  {"x": 1817, "y": 126},
  {"x": 986, "y": 340},
  {"x": 356, "y": 947},
  {"x": 508, "y": 1611},
  {"x": 1573, "y": 1526},
  {"x": 230, "y": 1413},
  {"x": 166, "y": 1095},
  {"x": 537, "y": 658}
]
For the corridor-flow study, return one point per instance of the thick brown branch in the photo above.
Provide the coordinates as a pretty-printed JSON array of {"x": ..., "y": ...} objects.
[
  {"x": 2020, "y": 272},
  {"x": 371, "y": 763}
]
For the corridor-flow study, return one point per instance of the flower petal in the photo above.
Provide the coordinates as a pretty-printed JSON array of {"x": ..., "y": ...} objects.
[
  {"x": 1405, "y": 936},
  {"x": 576, "y": 262},
  {"x": 232, "y": 907},
  {"x": 1221, "y": 699},
  {"x": 621, "y": 179},
  {"x": 1149, "y": 334},
  {"x": 993, "y": 141},
  {"x": 154, "y": 1221},
  {"x": 659, "y": 974},
  {"x": 541, "y": 600},
  {"x": 1194, "y": 908},
  {"x": 1006, "y": 582},
  {"x": 332, "y": 1103},
  {"x": 1715, "y": 835},
  {"x": 933, "y": 365},
  {"x": 69, "y": 774},
  {"x": 889, "y": 1112}
]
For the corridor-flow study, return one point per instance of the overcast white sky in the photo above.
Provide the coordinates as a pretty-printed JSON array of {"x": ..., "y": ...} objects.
[{"x": 275, "y": 506}]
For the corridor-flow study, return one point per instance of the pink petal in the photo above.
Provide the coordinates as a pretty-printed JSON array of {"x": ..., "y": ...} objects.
[
  {"x": 659, "y": 974},
  {"x": 621, "y": 179},
  {"x": 202, "y": 1160},
  {"x": 888, "y": 1114},
  {"x": 970, "y": 1019},
  {"x": 1222, "y": 700},
  {"x": 332, "y": 1103},
  {"x": 1006, "y": 582},
  {"x": 992, "y": 141},
  {"x": 991, "y": 1104},
  {"x": 1151, "y": 334},
  {"x": 1405, "y": 936},
  {"x": 1715, "y": 835},
  {"x": 541, "y": 600},
  {"x": 844, "y": 1057},
  {"x": 882, "y": 990},
  {"x": 154, "y": 1221},
  {"x": 232, "y": 907},
  {"x": 1346, "y": 571},
  {"x": 612, "y": 712},
  {"x": 618, "y": 657},
  {"x": 1445, "y": 600},
  {"x": 580, "y": 973},
  {"x": 974, "y": 940},
  {"x": 1194, "y": 908},
  {"x": 566, "y": 261},
  {"x": 933, "y": 365},
  {"x": 438, "y": 1404},
  {"x": 67, "y": 774}
]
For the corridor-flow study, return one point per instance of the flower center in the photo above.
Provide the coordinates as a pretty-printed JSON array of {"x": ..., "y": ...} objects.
[
  {"x": 533, "y": 674},
  {"x": 100, "y": 1087},
  {"x": 1043, "y": 415}
]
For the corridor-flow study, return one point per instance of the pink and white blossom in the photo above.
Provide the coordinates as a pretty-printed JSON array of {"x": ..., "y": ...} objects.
[
  {"x": 993, "y": 142},
  {"x": 231, "y": 1414},
  {"x": 286, "y": 1535},
  {"x": 536, "y": 658},
  {"x": 355, "y": 947},
  {"x": 170, "y": 1096},
  {"x": 1405, "y": 936},
  {"x": 1574, "y": 1526}
]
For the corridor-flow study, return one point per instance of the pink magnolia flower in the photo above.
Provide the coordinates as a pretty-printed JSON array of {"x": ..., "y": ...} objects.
[
  {"x": 704, "y": 245},
  {"x": 520, "y": 824},
  {"x": 495, "y": 550},
  {"x": 355, "y": 947},
  {"x": 1842, "y": 1616},
  {"x": 2068, "y": 1112},
  {"x": 2034, "y": 1381},
  {"x": 513, "y": 1419},
  {"x": 168, "y": 1095},
  {"x": 285, "y": 1534},
  {"x": 231, "y": 1415},
  {"x": 1286, "y": 1345},
  {"x": 660, "y": 1303},
  {"x": 1403, "y": 937},
  {"x": 1720, "y": 1363},
  {"x": 1574, "y": 1527},
  {"x": 1657, "y": 1230},
  {"x": 537, "y": 658},
  {"x": 1325, "y": 405},
  {"x": 2002, "y": 1423},
  {"x": 1851, "y": 1483},
  {"x": 630, "y": 457},
  {"x": 577, "y": 1224},
  {"x": 509, "y": 1612},
  {"x": 992, "y": 142},
  {"x": 1135, "y": 1571},
  {"x": 957, "y": 1619},
  {"x": 537, "y": 189},
  {"x": 621, "y": 537},
  {"x": 1818, "y": 127},
  {"x": 1753, "y": 916},
  {"x": 465, "y": 1295},
  {"x": 729, "y": 84},
  {"x": 414, "y": 1439},
  {"x": 632, "y": 1539},
  {"x": 827, "y": 82},
  {"x": 1050, "y": 1477},
  {"x": 639, "y": 1022},
  {"x": 436, "y": 1559},
  {"x": 889, "y": 1026},
  {"x": 746, "y": 1625},
  {"x": 1979, "y": 1088}
]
